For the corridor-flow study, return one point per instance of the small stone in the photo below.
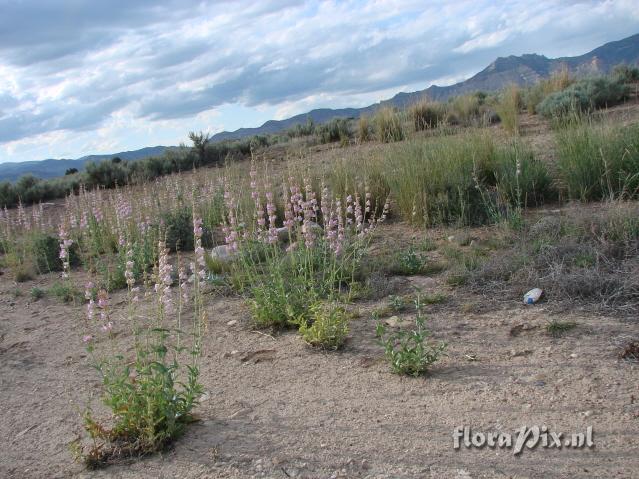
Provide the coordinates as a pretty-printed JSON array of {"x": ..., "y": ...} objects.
[
  {"x": 393, "y": 321},
  {"x": 573, "y": 355},
  {"x": 233, "y": 322}
]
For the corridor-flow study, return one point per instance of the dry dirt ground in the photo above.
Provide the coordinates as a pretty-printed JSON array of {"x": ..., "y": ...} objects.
[{"x": 276, "y": 408}]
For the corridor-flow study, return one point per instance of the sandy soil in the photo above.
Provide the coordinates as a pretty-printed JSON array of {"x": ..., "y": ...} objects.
[{"x": 275, "y": 408}]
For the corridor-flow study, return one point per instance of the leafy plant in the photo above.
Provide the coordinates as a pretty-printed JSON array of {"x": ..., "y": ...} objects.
[
  {"x": 557, "y": 328},
  {"x": 326, "y": 326},
  {"x": 65, "y": 291},
  {"x": 37, "y": 293},
  {"x": 410, "y": 352}
]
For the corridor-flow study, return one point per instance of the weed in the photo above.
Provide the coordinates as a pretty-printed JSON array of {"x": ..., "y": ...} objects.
[
  {"x": 556, "y": 328},
  {"x": 66, "y": 292},
  {"x": 410, "y": 352},
  {"x": 396, "y": 303},
  {"x": 37, "y": 293},
  {"x": 326, "y": 326}
]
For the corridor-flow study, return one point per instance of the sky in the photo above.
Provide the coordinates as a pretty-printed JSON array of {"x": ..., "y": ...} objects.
[{"x": 82, "y": 77}]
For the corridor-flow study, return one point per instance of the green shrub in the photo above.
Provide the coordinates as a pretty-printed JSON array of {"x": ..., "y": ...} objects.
[
  {"x": 37, "y": 293},
  {"x": 535, "y": 94},
  {"x": 583, "y": 96},
  {"x": 337, "y": 129},
  {"x": 46, "y": 251},
  {"x": 177, "y": 226},
  {"x": 625, "y": 73}
]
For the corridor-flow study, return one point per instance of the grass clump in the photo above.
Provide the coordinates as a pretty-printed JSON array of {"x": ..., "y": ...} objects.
[
  {"x": 410, "y": 352},
  {"x": 463, "y": 180},
  {"x": 508, "y": 109},
  {"x": 387, "y": 125},
  {"x": 338, "y": 129},
  {"x": 598, "y": 162},
  {"x": 364, "y": 129},
  {"x": 425, "y": 115}
]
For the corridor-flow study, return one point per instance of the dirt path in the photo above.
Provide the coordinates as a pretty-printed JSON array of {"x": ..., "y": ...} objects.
[{"x": 289, "y": 411}]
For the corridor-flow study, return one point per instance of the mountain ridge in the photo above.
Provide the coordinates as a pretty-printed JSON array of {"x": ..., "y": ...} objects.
[{"x": 522, "y": 70}]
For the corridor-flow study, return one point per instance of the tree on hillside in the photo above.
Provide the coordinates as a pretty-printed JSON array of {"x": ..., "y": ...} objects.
[{"x": 200, "y": 142}]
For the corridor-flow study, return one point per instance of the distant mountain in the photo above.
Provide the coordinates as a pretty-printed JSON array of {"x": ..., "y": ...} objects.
[
  {"x": 521, "y": 70},
  {"x": 51, "y": 168}
]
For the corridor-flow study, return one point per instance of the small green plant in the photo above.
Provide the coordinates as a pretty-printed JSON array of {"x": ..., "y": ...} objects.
[
  {"x": 66, "y": 292},
  {"x": 22, "y": 273},
  {"x": 37, "y": 293},
  {"x": 434, "y": 298},
  {"x": 396, "y": 303},
  {"x": 410, "y": 352},
  {"x": 557, "y": 328},
  {"x": 327, "y": 326},
  {"x": 409, "y": 262}
]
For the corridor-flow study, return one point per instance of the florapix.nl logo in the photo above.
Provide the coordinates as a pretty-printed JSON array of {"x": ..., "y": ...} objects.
[{"x": 524, "y": 437}]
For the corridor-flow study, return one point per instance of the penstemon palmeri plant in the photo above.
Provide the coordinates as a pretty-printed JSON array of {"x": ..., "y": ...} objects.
[
  {"x": 325, "y": 238},
  {"x": 152, "y": 393}
]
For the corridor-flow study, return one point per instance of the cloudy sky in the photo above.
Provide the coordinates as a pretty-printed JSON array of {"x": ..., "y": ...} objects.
[{"x": 83, "y": 76}]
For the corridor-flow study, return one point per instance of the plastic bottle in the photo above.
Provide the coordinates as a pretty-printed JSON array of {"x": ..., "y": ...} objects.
[{"x": 532, "y": 296}]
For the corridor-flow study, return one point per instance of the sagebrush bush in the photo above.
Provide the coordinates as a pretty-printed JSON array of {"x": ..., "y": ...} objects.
[
  {"x": 535, "y": 94},
  {"x": 583, "y": 96},
  {"x": 625, "y": 73}
]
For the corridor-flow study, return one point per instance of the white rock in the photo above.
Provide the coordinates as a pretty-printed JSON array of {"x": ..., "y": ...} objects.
[{"x": 223, "y": 253}]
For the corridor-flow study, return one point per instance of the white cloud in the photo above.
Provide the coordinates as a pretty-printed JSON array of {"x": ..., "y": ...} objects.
[{"x": 125, "y": 74}]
